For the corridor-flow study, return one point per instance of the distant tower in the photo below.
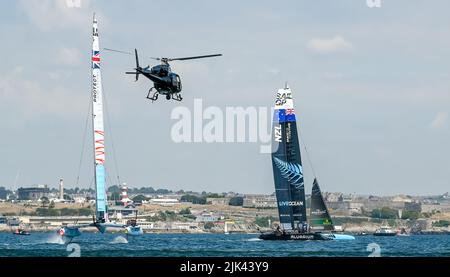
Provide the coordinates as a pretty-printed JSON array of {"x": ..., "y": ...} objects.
[
  {"x": 61, "y": 189},
  {"x": 124, "y": 195}
]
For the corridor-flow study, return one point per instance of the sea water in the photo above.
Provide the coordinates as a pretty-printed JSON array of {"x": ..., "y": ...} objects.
[{"x": 218, "y": 245}]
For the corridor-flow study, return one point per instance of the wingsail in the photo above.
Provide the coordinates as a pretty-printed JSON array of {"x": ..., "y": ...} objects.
[
  {"x": 99, "y": 131},
  {"x": 287, "y": 164},
  {"x": 100, "y": 220}
]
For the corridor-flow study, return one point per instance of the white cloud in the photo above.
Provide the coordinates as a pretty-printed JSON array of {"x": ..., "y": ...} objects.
[
  {"x": 31, "y": 99},
  {"x": 273, "y": 71},
  {"x": 329, "y": 45},
  {"x": 439, "y": 120},
  {"x": 69, "y": 56},
  {"x": 53, "y": 76},
  {"x": 335, "y": 76},
  {"x": 55, "y": 14}
]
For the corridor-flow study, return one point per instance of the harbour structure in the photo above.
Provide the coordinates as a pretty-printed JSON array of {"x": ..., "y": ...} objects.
[
  {"x": 61, "y": 189},
  {"x": 33, "y": 193},
  {"x": 124, "y": 199}
]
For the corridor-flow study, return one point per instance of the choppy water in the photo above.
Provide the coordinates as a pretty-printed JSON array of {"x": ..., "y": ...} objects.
[{"x": 216, "y": 245}]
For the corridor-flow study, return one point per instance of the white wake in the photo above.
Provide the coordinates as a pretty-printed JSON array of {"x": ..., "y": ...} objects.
[
  {"x": 55, "y": 239},
  {"x": 119, "y": 240}
]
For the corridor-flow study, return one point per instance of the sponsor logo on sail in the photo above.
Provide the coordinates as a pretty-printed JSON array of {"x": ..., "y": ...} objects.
[
  {"x": 318, "y": 212},
  {"x": 288, "y": 133},
  {"x": 290, "y": 203},
  {"x": 282, "y": 98},
  {"x": 94, "y": 88}
]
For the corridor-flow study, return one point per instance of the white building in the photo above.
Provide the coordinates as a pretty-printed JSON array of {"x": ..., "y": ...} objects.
[
  {"x": 223, "y": 201},
  {"x": 259, "y": 201},
  {"x": 164, "y": 201},
  {"x": 206, "y": 217}
]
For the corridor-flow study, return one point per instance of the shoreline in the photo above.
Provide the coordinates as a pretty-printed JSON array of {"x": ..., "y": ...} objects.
[{"x": 93, "y": 230}]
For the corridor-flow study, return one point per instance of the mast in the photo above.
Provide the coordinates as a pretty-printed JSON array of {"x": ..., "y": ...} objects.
[
  {"x": 98, "y": 129},
  {"x": 319, "y": 216},
  {"x": 287, "y": 164}
]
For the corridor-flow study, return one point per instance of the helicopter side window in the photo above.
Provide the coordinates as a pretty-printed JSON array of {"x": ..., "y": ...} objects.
[
  {"x": 163, "y": 71},
  {"x": 156, "y": 69}
]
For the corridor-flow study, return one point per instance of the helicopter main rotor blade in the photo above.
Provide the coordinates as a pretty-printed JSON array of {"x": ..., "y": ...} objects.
[
  {"x": 118, "y": 51},
  {"x": 194, "y": 57}
]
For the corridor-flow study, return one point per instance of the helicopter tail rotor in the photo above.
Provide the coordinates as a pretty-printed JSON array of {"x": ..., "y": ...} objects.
[
  {"x": 135, "y": 73},
  {"x": 138, "y": 68},
  {"x": 137, "y": 58}
]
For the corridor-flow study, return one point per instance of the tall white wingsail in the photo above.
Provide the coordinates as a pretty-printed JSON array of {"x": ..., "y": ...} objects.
[
  {"x": 99, "y": 132},
  {"x": 101, "y": 221}
]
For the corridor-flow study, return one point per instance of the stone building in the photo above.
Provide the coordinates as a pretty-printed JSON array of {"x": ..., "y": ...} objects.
[{"x": 34, "y": 193}]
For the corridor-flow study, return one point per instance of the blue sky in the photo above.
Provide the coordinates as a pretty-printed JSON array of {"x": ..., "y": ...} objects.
[{"x": 371, "y": 88}]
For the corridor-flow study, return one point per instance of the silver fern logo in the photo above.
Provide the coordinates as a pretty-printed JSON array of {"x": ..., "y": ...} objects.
[{"x": 291, "y": 171}]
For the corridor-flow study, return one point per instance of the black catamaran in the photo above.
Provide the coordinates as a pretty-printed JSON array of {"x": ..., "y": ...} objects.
[{"x": 289, "y": 182}]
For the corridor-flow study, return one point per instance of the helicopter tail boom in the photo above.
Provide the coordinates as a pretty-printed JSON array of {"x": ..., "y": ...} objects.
[{"x": 134, "y": 73}]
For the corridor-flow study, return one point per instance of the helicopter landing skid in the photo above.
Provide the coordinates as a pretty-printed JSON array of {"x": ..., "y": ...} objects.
[
  {"x": 177, "y": 97},
  {"x": 154, "y": 97}
]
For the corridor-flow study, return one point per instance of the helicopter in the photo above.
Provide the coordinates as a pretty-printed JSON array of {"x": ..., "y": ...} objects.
[{"x": 165, "y": 81}]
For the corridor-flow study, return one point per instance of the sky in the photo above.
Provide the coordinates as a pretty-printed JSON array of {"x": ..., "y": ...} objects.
[{"x": 371, "y": 89}]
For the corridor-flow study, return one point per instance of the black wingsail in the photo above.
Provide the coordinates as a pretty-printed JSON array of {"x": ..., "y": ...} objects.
[
  {"x": 320, "y": 218},
  {"x": 287, "y": 164}
]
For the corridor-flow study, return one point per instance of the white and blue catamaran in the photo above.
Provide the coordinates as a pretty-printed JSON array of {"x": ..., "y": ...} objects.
[
  {"x": 100, "y": 219},
  {"x": 289, "y": 182}
]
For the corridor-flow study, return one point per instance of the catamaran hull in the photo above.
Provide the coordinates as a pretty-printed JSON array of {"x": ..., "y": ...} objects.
[
  {"x": 134, "y": 231},
  {"x": 69, "y": 232},
  {"x": 305, "y": 236},
  {"x": 332, "y": 236},
  {"x": 21, "y": 234},
  {"x": 385, "y": 234},
  {"x": 292, "y": 236}
]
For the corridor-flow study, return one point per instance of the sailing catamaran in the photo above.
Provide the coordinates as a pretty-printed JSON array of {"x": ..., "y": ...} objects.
[
  {"x": 100, "y": 219},
  {"x": 289, "y": 182}
]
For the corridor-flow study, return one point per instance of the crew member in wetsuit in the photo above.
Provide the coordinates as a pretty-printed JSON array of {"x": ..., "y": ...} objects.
[{"x": 304, "y": 227}]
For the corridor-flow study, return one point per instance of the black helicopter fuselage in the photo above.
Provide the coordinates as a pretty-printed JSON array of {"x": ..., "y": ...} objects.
[{"x": 165, "y": 81}]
